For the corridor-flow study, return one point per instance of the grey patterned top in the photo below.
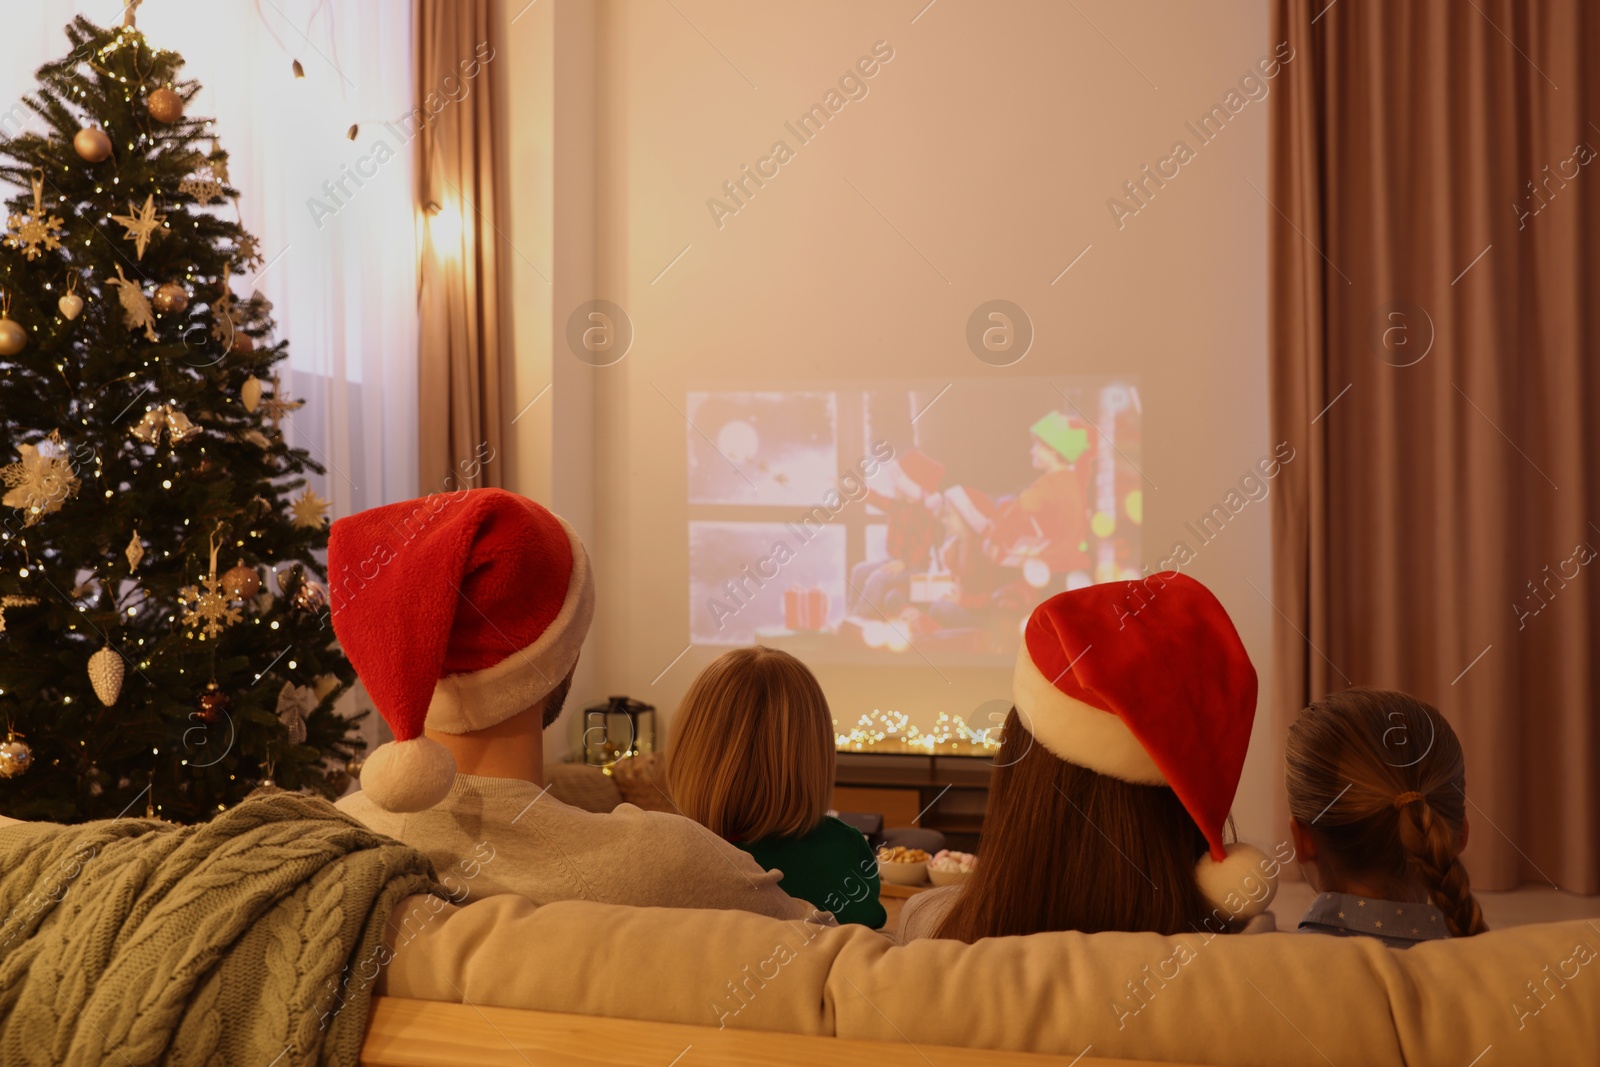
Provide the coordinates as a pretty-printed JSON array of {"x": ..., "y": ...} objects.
[{"x": 1397, "y": 923}]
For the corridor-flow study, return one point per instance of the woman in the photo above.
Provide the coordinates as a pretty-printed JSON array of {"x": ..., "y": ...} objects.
[{"x": 1108, "y": 809}]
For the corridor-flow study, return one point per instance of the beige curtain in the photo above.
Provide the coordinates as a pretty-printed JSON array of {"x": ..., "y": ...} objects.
[
  {"x": 1435, "y": 318},
  {"x": 460, "y": 359}
]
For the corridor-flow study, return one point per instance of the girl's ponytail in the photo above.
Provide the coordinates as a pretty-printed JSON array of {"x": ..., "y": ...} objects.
[{"x": 1431, "y": 847}]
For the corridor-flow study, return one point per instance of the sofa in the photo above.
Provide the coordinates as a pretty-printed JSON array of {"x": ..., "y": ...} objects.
[{"x": 1529, "y": 994}]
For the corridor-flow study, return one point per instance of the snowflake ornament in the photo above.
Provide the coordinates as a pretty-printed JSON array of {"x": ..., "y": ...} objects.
[
  {"x": 35, "y": 233},
  {"x": 210, "y": 610},
  {"x": 41, "y": 481},
  {"x": 204, "y": 190}
]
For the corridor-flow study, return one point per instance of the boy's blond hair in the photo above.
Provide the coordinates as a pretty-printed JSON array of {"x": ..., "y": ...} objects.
[{"x": 751, "y": 753}]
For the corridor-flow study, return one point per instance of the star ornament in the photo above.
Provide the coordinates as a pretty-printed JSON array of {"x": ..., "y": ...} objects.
[
  {"x": 310, "y": 510},
  {"x": 278, "y": 404},
  {"x": 141, "y": 223}
]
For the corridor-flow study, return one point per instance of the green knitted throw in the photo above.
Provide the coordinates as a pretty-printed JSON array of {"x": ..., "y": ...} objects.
[{"x": 254, "y": 939}]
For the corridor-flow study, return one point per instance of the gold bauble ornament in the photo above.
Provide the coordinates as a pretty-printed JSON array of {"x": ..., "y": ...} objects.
[
  {"x": 15, "y": 756},
  {"x": 13, "y": 338},
  {"x": 241, "y": 582},
  {"x": 106, "y": 670},
  {"x": 92, "y": 144},
  {"x": 165, "y": 105},
  {"x": 353, "y": 765},
  {"x": 171, "y": 298}
]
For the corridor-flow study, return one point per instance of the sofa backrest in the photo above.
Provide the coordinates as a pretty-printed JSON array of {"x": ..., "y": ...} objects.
[{"x": 1532, "y": 993}]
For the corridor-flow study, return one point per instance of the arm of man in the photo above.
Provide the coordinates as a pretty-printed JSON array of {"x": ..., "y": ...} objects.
[{"x": 677, "y": 863}]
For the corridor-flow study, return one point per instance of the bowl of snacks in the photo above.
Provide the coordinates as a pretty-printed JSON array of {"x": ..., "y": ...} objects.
[
  {"x": 903, "y": 866},
  {"x": 951, "y": 868}
]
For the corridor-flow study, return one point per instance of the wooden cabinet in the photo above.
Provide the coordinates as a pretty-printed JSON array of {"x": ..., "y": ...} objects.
[{"x": 944, "y": 793}]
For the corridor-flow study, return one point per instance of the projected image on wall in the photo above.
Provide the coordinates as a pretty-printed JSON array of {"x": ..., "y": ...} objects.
[{"x": 906, "y": 522}]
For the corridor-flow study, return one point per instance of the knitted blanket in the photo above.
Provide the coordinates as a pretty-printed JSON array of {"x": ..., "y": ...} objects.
[{"x": 253, "y": 939}]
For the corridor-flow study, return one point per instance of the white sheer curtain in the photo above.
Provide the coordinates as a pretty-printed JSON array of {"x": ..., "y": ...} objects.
[{"x": 340, "y": 257}]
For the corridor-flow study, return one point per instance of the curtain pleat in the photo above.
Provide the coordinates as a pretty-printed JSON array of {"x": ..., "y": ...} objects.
[
  {"x": 1433, "y": 281},
  {"x": 461, "y": 364}
]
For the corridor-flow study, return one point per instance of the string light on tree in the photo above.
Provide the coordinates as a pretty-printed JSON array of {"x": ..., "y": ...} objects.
[{"x": 153, "y": 432}]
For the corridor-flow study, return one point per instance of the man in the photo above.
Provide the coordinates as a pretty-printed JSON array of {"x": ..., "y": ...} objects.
[{"x": 464, "y": 614}]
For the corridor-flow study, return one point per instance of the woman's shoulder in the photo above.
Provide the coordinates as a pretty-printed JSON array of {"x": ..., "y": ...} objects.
[{"x": 924, "y": 913}]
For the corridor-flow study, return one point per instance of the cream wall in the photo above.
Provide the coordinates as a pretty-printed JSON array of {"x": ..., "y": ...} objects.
[{"x": 991, "y": 142}]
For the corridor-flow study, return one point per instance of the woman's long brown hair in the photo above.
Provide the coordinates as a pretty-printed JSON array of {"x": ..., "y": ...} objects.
[
  {"x": 1065, "y": 848},
  {"x": 1350, "y": 757}
]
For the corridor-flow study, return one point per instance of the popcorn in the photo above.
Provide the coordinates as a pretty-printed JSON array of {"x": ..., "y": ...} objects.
[{"x": 901, "y": 854}]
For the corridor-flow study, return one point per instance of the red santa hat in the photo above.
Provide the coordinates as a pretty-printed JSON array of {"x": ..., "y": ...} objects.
[
  {"x": 924, "y": 471},
  {"x": 458, "y": 611},
  {"x": 1147, "y": 681}
]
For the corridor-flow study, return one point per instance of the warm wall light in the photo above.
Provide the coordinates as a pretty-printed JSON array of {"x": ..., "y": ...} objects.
[{"x": 444, "y": 227}]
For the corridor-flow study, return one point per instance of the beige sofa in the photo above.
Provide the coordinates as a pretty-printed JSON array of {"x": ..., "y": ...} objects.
[{"x": 1525, "y": 995}]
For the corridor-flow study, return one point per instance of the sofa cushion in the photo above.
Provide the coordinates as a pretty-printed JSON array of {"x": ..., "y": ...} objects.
[{"x": 1270, "y": 999}]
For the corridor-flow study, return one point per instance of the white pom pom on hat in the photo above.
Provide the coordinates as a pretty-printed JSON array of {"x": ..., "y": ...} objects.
[
  {"x": 1147, "y": 681},
  {"x": 409, "y": 775},
  {"x": 1241, "y": 885}
]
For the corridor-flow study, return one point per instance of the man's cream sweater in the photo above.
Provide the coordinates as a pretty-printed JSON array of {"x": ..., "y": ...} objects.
[{"x": 504, "y": 835}]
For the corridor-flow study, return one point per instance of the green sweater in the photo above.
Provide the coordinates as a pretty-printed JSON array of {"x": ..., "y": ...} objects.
[
  {"x": 255, "y": 938},
  {"x": 832, "y": 868}
]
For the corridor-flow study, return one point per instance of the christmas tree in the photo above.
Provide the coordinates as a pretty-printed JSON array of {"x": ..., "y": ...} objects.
[{"x": 164, "y": 642}]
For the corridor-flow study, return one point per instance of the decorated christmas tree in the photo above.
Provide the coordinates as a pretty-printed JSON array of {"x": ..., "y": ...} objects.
[{"x": 164, "y": 641}]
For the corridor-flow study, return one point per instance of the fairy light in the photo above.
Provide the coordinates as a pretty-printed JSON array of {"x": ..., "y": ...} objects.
[{"x": 893, "y": 731}]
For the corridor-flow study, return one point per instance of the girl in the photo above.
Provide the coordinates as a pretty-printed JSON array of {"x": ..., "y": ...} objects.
[
  {"x": 1109, "y": 802},
  {"x": 752, "y": 759},
  {"x": 1377, "y": 798}
]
